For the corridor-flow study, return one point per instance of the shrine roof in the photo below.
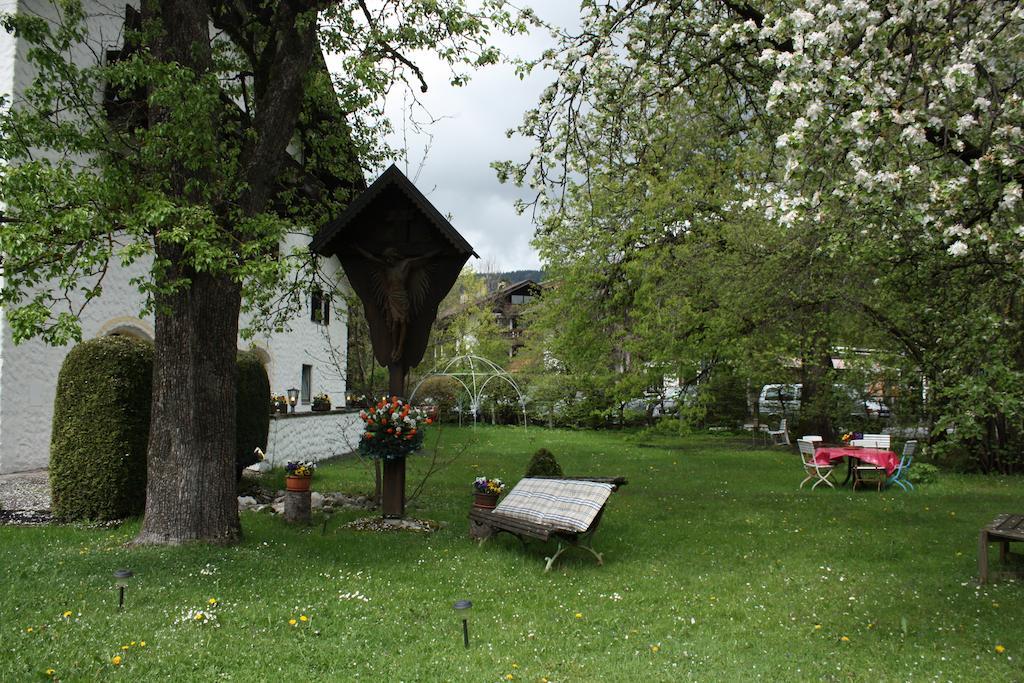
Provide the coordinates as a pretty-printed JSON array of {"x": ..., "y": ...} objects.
[{"x": 392, "y": 177}]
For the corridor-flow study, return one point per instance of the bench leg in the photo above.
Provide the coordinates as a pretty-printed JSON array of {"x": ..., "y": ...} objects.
[
  {"x": 1004, "y": 548},
  {"x": 983, "y": 557},
  {"x": 551, "y": 560}
]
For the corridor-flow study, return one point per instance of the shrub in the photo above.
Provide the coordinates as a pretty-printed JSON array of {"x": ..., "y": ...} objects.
[
  {"x": 439, "y": 392},
  {"x": 100, "y": 430},
  {"x": 252, "y": 410},
  {"x": 543, "y": 464},
  {"x": 922, "y": 473}
]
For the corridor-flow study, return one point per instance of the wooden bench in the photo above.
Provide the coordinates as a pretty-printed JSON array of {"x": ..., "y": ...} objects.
[
  {"x": 1004, "y": 529},
  {"x": 484, "y": 524}
]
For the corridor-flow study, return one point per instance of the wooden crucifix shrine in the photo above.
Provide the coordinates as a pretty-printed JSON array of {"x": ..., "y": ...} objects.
[{"x": 401, "y": 257}]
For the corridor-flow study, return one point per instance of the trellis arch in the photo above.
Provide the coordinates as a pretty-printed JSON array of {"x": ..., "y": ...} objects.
[{"x": 474, "y": 373}]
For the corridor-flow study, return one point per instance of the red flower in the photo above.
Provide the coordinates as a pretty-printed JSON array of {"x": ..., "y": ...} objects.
[
  {"x": 429, "y": 421},
  {"x": 391, "y": 430}
]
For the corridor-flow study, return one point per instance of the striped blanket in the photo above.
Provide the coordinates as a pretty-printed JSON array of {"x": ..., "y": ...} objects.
[{"x": 559, "y": 503}]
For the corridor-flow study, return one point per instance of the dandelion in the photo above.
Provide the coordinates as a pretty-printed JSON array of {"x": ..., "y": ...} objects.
[
  {"x": 50, "y": 672},
  {"x": 124, "y": 647},
  {"x": 198, "y": 616},
  {"x": 67, "y": 614},
  {"x": 142, "y": 643},
  {"x": 1000, "y": 649},
  {"x": 845, "y": 639},
  {"x": 211, "y": 601},
  {"x": 292, "y": 622},
  {"x": 116, "y": 661},
  {"x": 817, "y": 627},
  {"x": 303, "y": 617},
  {"x": 579, "y": 615},
  {"x": 655, "y": 648},
  {"x": 509, "y": 677}
]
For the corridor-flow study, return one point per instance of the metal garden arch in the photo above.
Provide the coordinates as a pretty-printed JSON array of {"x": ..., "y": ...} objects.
[{"x": 474, "y": 374}]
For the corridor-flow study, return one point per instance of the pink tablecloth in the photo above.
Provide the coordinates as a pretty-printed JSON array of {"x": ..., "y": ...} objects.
[{"x": 876, "y": 456}]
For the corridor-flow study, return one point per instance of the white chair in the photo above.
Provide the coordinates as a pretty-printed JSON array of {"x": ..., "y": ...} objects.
[
  {"x": 814, "y": 470},
  {"x": 882, "y": 441},
  {"x": 812, "y": 438},
  {"x": 780, "y": 436}
]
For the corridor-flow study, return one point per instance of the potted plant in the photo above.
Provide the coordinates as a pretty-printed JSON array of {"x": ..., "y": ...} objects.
[
  {"x": 278, "y": 403},
  {"x": 298, "y": 474},
  {"x": 321, "y": 403},
  {"x": 393, "y": 429},
  {"x": 486, "y": 491}
]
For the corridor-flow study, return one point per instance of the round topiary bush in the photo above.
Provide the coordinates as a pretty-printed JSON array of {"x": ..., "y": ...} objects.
[
  {"x": 252, "y": 410},
  {"x": 100, "y": 430},
  {"x": 543, "y": 464}
]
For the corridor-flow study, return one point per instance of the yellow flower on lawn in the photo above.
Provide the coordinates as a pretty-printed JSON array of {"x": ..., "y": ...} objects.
[
  {"x": 817, "y": 627},
  {"x": 292, "y": 622},
  {"x": 212, "y": 601},
  {"x": 66, "y": 614},
  {"x": 142, "y": 643},
  {"x": 509, "y": 677},
  {"x": 29, "y": 630},
  {"x": 303, "y": 617},
  {"x": 579, "y": 615},
  {"x": 50, "y": 672},
  {"x": 845, "y": 639},
  {"x": 655, "y": 648},
  {"x": 1000, "y": 649},
  {"x": 116, "y": 661},
  {"x": 199, "y": 616},
  {"x": 124, "y": 647}
]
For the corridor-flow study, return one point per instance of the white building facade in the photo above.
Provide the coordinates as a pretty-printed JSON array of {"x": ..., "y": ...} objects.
[{"x": 309, "y": 356}]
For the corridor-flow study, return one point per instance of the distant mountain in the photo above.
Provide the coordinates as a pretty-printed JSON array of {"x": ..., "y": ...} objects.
[{"x": 509, "y": 277}]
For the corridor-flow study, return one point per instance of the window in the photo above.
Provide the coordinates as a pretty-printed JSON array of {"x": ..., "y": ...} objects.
[
  {"x": 319, "y": 307},
  {"x": 306, "y": 393},
  {"x": 521, "y": 298}
]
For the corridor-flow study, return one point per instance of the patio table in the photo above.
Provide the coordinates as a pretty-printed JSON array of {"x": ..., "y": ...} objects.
[{"x": 888, "y": 460}]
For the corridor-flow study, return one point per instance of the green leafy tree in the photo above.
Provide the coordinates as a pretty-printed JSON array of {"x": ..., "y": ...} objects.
[
  {"x": 845, "y": 175},
  {"x": 214, "y": 133}
]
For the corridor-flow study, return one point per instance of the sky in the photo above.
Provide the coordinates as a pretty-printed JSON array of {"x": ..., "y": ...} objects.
[{"x": 455, "y": 174}]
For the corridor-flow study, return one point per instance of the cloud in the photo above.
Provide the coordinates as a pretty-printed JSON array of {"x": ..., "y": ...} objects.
[{"x": 454, "y": 173}]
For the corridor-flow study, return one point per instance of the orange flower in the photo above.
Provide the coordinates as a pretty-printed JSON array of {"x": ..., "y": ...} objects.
[
  {"x": 391, "y": 430},
  {"x": 429, "y": 421}
]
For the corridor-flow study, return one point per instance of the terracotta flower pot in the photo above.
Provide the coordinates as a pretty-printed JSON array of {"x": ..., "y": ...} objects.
[
  {"x": 297, "y": 483},
  {"x": 487, "y": 501}
]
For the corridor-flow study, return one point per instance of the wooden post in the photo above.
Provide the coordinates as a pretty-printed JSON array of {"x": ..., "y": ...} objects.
[
  {"x": 393, "y": 479},
  {"x": 297, "y": 507}
]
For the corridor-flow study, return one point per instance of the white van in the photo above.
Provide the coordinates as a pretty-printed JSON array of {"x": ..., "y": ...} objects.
[{"x": 784, "y": 399}]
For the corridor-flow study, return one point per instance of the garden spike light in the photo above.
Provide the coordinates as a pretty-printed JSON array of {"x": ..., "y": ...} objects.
[
  {"x": 459, "y": 607},
  {"x": 122, "y": 575}
]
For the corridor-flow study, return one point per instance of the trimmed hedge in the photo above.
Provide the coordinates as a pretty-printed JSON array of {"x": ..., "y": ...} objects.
[
  {"x": 252, "y": 410},
  {"x": 543, "y": 464},
  {"x": 100, "y": 430}
]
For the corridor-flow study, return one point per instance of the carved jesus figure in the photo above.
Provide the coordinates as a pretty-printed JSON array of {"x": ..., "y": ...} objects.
[{"x": 400, "y": 285}]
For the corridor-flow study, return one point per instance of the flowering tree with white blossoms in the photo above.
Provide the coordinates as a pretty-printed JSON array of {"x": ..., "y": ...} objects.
[{"x": 870, "y": 153}]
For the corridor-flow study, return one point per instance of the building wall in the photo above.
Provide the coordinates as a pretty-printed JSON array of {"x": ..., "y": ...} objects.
[
  {"x": 28, "y": 371},
  {"x": 312, "y": 436}
]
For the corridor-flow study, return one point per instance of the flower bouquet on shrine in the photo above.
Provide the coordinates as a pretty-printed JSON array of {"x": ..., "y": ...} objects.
[
  {"x": 393, "y": 429},
  {"x": 850, "y": 436}
]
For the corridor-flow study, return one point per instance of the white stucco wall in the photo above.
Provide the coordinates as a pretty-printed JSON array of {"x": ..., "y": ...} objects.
[
  {"x": 28, "y": 372},
  {"x": 312, "y": 436}
]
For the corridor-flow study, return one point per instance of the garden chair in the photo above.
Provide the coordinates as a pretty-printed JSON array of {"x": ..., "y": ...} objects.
[
  {"x": 565, "y": 509},
  {"x": 814, "y": 469},
  {"x": 780, "y": 436},
  {"x": 812, "y": 438},
  {"x": 882, "y": 441},
  {"x": 900, "y": 475}
]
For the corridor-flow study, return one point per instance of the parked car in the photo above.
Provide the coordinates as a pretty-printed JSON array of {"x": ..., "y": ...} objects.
[{"x": 784, "y": 399}]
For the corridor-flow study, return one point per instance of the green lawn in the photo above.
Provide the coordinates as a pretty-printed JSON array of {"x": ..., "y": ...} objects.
[{"x": 716, "y": 568}]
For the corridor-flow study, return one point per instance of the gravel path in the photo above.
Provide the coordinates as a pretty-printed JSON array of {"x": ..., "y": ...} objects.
[{"x": 25, "y": 491}]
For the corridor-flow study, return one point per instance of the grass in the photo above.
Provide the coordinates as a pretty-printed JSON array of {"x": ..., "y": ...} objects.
[{"x": 716, "y": 568}]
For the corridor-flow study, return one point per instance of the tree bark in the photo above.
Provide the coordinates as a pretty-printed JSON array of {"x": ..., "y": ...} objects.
[{"x": 190, "y": 493}]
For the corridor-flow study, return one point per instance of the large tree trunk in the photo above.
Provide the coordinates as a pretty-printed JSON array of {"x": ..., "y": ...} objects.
[{"x": 190, "y": 494}]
